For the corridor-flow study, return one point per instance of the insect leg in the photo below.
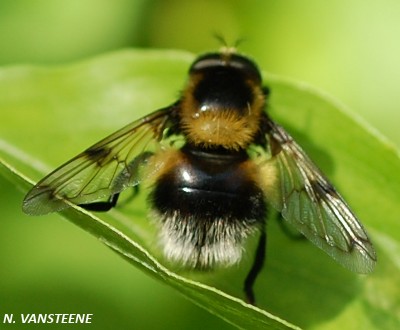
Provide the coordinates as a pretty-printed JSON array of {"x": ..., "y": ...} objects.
[
  {"x": 255, "y": 268},
  {"x": 101, "y": 206},
  {"x": 131, "y": 171},
  {"x": 135, "y": 192}
]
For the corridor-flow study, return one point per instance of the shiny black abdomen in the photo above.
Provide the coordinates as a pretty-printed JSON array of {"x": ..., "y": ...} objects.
[{"x": 207, "y": 186}]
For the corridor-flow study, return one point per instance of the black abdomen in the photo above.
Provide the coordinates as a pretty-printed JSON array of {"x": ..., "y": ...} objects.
[{"x": 208, "y": 204}]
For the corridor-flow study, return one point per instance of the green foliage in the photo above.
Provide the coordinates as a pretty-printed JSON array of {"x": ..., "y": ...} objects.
[{"x": 51, "y": 114}]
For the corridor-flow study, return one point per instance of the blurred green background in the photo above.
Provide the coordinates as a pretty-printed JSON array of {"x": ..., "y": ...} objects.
[{"x": 350, "y": 49}]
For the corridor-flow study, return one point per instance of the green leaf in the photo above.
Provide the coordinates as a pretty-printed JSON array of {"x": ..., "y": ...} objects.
[{"x": 49, "y": 114}]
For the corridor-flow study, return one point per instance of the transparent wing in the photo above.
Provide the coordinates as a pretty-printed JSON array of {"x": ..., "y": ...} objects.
[
  {"x": 106, "y": 168},
  {"x": 311, "y": 204}
]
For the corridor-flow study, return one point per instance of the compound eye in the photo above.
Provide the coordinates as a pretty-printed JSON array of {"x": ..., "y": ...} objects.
[
  {"x": 221, "y": 60},
  {"x": 207, "y": 61},
  {"x": 248, "y": 67}
]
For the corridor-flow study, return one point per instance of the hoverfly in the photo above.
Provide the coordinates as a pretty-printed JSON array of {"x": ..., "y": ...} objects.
[{"x": 210, "y": 192}]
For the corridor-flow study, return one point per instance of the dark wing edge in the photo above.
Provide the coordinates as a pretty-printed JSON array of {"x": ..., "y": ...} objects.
[
  {"x": 106, "y": 168},
  {"x": 309, "y": 202}
]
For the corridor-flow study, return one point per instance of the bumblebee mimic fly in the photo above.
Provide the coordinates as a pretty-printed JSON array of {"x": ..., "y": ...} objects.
[{"x": 215, "y": 162}]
